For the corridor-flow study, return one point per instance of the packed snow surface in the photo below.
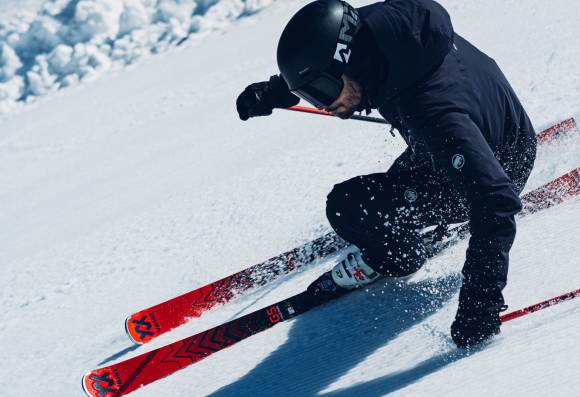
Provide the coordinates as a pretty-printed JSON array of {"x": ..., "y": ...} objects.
[{"x": 121, "y": 193}]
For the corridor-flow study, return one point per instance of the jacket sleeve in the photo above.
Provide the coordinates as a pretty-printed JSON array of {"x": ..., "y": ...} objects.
[{"x": 460, "y": 149}]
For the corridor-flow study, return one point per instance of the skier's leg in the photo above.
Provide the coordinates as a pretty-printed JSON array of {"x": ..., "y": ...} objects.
[{"x": 383, "y": 213}]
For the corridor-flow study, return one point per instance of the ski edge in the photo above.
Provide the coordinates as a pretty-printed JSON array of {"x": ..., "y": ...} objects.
[
  {"x": 83, "y": 380},
  {"x": 128, "y": 331}
]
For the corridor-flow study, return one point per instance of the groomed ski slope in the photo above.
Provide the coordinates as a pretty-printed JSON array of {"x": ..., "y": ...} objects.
[{"x": 120, "y": 193}]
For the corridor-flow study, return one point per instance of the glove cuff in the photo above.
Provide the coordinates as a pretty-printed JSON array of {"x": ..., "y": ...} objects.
[{"x": 278, "y": 94}]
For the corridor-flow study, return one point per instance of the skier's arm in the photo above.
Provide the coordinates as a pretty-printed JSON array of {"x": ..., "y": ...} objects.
[
  {"x": 459, "y": 147},
  {"x": 259, "y": 99}
]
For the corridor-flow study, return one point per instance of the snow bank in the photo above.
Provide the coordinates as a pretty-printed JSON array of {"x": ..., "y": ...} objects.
[{"x": 72, "y": 40}]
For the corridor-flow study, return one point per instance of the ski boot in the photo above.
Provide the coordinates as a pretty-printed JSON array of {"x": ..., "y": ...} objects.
[{"x": 349, "y": 273}]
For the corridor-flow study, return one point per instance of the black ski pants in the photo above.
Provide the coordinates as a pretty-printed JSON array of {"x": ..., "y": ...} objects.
[{"x": 383, "y": 213}]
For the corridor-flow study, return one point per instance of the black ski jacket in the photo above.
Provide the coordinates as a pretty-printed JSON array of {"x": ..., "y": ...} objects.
[{"x": 456, "y": 110}]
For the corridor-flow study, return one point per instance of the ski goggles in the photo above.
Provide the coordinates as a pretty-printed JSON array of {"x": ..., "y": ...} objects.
[{"x": 321, "y": 91}]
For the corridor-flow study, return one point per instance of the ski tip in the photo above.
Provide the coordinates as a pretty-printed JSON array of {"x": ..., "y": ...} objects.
[
  {"x": 128, "y": 332},
  {"x": 84, "y": 386},
  {"x": 101, "y": 383}
]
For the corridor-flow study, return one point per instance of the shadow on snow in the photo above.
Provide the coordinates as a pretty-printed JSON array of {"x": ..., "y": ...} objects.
[{"x": 325, "y": 344}]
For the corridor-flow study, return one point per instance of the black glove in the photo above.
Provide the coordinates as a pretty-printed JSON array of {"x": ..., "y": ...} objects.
[
  {"x": 259, "y": 99},
  {"x": 477, "y": 318}
]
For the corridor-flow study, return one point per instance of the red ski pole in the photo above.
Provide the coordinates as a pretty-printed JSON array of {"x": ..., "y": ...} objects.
[
  {"x": 539, "y": 306},
  {"x": 305, "y": 109}
]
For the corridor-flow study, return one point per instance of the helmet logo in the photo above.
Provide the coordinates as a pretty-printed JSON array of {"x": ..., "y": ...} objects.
[
  {"x": 342, "y": 53},
  {"x": 347, "y": 30}
]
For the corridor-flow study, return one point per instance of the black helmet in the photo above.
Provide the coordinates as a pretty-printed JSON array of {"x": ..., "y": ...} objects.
[{"x": 315, "y": 48}]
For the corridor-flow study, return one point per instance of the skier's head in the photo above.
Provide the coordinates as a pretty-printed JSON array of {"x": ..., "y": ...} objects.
[{"x": 315, "y": 48}]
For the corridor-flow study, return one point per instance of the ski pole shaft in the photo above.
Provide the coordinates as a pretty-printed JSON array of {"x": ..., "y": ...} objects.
[
  {"x": 305, "y": 109},
  {"x": 539, "y": 306}
]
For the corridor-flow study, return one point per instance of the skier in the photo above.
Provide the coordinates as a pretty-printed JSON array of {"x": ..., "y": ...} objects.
[{"x": 471, "y": 145}]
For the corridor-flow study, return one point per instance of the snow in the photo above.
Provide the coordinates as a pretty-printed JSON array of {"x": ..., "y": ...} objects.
[
  {"x": 143, "y": 184},
  {"x": 57, "y": 43}
]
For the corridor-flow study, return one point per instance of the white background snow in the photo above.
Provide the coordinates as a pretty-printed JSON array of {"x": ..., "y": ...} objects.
[
  {"x": 57, "y": 43},
  {"x": 143, "y": 184}
]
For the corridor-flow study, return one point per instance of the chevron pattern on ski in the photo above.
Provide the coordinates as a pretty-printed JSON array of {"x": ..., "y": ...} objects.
[{"x": 122, "y": 378}]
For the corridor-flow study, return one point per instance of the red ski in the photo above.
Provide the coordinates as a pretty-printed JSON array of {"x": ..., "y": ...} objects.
[
  {"x": 126, "y": 376},
  {"x": 147, "y": 324},
  {"x": 557, "y": 131},
  {"x": 553, "y": 193}
]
